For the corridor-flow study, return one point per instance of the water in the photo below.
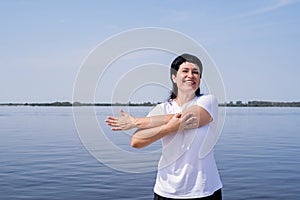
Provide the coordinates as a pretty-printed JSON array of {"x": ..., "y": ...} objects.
[{"x": 42, "y": 157}]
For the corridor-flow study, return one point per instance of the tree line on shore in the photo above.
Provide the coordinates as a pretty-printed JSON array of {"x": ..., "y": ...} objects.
[
  {"x": 261, "y": 104},
  {"x": 229, "y": 104}
]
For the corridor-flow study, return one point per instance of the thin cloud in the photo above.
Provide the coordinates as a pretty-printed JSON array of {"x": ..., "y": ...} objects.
[
  {"x": 268, "y": 8},
  {"x": 279, "y": 4}
]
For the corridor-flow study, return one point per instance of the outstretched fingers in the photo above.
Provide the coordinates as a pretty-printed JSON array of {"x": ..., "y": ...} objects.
[
  {"x": 124, "y": 122},
  {"x": 117, "y": 129},
  {"x": 112, "y": 121},
  {"x": 123, "y": 113}
]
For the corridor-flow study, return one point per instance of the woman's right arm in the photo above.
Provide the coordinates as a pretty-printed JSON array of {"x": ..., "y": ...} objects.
[
  {"x": 144, "y": 137},
  {"x": 178, "y": 122}
]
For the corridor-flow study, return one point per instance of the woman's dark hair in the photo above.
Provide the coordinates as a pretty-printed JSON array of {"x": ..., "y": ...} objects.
[{"x": 175, "y": 66}]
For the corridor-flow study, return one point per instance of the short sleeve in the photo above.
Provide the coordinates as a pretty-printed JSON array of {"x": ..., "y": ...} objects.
[
  {"x": 210, "y": 104},
  {"x": 157, "y": 110}
]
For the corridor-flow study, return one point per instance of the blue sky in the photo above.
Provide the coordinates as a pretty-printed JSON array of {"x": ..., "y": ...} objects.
[{"x": 255, "y": 44}]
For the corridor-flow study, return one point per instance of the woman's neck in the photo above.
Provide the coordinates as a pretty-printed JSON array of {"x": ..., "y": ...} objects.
[{"x": 182, "y": 99}]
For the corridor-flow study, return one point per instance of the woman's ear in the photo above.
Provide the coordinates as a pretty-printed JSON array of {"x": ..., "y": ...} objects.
[{"x": 174, "y": 78}]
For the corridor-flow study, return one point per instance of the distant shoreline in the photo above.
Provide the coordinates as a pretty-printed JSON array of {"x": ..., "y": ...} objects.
[{"x": 230, "y": 104}]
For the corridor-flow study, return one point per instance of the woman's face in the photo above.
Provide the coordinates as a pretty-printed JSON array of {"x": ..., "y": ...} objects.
[{"x": 187, "y": 78}]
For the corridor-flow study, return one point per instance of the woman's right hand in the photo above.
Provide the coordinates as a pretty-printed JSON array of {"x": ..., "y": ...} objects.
[
  {"x": 188, "y": 121},
  {"x": 181, "y": 122}
]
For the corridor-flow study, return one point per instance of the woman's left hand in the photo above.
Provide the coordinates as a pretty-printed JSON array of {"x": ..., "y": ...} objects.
[{"x": 125, "y": 122}]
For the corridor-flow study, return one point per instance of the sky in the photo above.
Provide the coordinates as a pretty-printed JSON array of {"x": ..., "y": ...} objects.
[{"x": 254, "y": 44}]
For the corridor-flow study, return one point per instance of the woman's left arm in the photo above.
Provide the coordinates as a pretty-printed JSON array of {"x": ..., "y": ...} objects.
[
  {"x": 194, "y": 116},
  {"x": 127, "y": 121}
]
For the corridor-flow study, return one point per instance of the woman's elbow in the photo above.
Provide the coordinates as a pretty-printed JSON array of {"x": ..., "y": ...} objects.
[{"x": 136, "y": 143}]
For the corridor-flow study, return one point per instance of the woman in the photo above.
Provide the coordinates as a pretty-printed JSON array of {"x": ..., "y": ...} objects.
[{"x": 182, "y": 124}]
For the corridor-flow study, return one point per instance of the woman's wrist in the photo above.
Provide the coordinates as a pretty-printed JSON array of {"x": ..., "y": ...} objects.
[{"x": 136, "y": 122}]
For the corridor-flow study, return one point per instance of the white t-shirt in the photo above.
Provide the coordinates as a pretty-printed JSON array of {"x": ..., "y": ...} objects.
[{"x": 187, "y": 168}]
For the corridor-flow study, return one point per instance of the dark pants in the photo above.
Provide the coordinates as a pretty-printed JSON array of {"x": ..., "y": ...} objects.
[{"x": 217, "y": 195}]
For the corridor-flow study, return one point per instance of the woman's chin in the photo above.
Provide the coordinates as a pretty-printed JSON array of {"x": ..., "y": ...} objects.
[{"x": 189, "y": 90}]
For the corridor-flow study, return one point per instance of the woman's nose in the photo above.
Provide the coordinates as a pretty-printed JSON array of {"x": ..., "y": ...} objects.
[{"x": 190, "y": 74}]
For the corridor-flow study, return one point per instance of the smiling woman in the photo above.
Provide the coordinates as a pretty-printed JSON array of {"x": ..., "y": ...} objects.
[
  {"x": 188, "y": 69},
  {"x": 182, "y": 124}
]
